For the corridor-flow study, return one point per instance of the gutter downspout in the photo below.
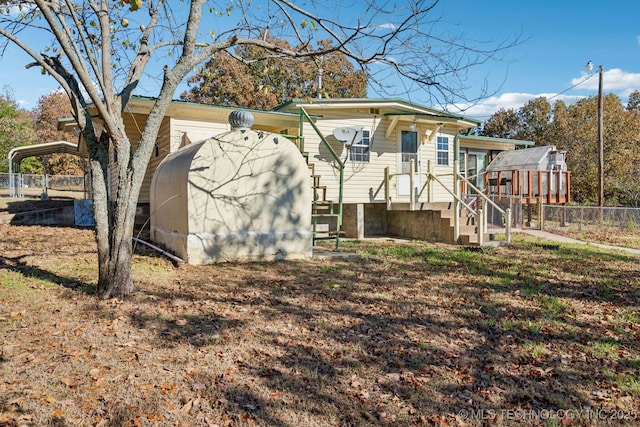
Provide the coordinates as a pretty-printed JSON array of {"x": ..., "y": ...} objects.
[{"x": 456, "y": 185}]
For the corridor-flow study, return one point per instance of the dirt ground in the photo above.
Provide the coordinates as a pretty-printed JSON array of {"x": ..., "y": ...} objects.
[{"x": 402, "y": 334}]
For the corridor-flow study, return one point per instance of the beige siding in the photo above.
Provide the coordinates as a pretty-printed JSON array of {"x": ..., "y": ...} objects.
[
  {"x": 194, "y": 130},
  {"x": 159, "y": 153},
  {"x": 364, "y": 182},
  {"x": 133, "y": 123},
  {"x": 170, "y": 138}
]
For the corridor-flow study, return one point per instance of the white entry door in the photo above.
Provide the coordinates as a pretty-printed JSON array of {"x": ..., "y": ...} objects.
[{"x": 409, "y": 149}]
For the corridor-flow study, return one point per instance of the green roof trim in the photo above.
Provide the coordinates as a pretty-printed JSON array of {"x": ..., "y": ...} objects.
[{"x": 225, "y": 107}]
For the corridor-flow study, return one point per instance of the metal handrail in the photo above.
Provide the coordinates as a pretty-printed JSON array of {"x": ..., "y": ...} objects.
[{"x": 305, "y": 116}]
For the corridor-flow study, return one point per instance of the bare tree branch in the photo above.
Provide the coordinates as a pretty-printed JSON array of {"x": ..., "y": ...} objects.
[{"x": 101, "y": 63}]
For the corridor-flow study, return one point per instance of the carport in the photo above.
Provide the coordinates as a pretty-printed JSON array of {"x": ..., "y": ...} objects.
[{"x": 16, "y": 155}]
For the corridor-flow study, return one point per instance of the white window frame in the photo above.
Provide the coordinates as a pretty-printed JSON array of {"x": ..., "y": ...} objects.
[
  {"x": 361, "y": 152},
  {"x": 442, "y": 154}
]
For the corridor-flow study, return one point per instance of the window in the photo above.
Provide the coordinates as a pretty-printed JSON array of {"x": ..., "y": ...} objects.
[
  {"x": 442, "y": 150},
  {"x": 360, "y": 152}
]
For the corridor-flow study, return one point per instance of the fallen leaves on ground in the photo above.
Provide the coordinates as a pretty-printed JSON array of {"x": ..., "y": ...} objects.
[{"x": 405, "y": 334}]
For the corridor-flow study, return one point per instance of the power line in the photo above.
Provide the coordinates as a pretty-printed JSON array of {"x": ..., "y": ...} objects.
[{"x": 571, "y": 87}]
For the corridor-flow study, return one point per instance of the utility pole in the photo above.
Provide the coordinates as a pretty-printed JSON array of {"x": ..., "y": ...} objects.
[{"x": 600, "y": 140}]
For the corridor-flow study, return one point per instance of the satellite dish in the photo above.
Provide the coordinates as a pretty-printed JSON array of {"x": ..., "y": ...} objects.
[{"x": 348, "y": 136}]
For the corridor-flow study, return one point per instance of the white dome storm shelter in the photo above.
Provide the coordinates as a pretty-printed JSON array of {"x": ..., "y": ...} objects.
[{"x": 243, "y": 195}]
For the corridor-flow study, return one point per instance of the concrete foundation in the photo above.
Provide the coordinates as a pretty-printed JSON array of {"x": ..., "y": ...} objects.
[
  {"x": 432, "y": 223},
  {"x": 360, "y": 220}
]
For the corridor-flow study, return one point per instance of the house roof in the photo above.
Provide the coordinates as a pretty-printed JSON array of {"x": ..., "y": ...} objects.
[
  {"x": 522, "y": 159},
  {"x": 388, "y": 106},
  {"x": 142, "y": 104}
]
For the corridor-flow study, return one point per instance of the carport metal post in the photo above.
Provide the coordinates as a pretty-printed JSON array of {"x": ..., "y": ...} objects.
[
  {"x": 12, "y": 190},
  {"x": 15, "y": 188}
]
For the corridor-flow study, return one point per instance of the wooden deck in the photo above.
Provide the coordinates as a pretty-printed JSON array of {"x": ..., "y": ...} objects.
[
  {"x": 550, "y": 186},
  {"x": 533, "y": 186}
]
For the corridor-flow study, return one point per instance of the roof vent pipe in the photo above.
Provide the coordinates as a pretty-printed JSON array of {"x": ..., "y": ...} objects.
[{"x": 241, "y": 120}]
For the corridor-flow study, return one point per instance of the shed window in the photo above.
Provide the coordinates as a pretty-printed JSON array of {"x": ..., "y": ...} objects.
[
  {"x": 442, "y": 150},
  {"x": 360, "y": 152}
]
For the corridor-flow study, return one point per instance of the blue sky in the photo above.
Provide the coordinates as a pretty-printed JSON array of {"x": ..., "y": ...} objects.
[{"x": 558, "y": 38}]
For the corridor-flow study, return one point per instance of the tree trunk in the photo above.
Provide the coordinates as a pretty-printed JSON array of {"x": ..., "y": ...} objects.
[
  {"x": 115, "y": 279},
  {"x": 114, "y": 220}
]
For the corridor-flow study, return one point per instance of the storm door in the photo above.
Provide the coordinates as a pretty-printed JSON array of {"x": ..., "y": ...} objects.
[{"x": 409, "y": 150}]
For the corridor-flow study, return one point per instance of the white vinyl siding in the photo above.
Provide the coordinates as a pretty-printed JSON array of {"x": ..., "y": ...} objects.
[{"x": 363, "y": 181}]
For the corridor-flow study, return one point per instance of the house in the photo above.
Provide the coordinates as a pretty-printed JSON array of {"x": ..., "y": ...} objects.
[
  {"x": 390, "y": 164},
  {"x": 374, "y": 162},
  {"x": 377, "y": 166}
]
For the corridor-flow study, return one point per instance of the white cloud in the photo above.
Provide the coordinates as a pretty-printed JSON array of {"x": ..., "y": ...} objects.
[
  {"x": 484, "y": 109},
  {"x": 387, "y": 26},
  {"x": 614, "y": 79}
]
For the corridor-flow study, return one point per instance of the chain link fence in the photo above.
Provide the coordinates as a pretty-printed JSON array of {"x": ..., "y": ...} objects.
[
  {"x": 35, "y": 185},
  {"x": 5, "y": 180},
  {"x": 590, "y": 218}
]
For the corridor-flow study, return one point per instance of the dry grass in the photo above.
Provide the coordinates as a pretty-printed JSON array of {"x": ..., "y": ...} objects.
[
  {"x": 405, "y": 334},
  {"x": 625, "y": 237}
]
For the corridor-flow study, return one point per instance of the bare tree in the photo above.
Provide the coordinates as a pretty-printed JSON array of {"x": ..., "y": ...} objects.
[{"x": 99, "y": 51}]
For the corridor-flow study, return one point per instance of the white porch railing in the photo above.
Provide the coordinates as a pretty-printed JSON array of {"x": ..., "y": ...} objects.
[{"x": 479, "y": 213}]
